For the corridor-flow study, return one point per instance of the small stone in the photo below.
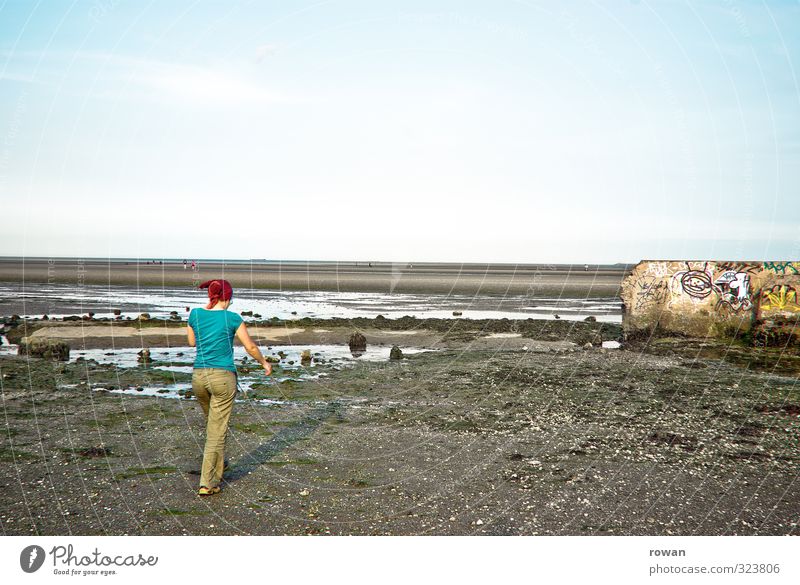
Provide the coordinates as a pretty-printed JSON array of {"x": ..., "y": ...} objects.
[
  {"x": 395, "y": 353},
  {"x": 479, "y": 522},
  {"x": 305, "y": 493},
  {"x": 587, "y": 345}
]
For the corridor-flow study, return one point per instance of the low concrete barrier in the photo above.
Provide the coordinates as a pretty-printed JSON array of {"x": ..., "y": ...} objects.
[{"x": 711, "y": 298}]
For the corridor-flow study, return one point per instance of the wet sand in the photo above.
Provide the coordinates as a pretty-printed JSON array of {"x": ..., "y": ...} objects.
[
  {"x": 440, "y": 278},
  {"x": 466, "y": 440},
  {"x": 511, "y": 427}
]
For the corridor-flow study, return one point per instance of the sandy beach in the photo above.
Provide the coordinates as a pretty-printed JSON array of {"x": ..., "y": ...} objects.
[{"x": 440, "y": 278}]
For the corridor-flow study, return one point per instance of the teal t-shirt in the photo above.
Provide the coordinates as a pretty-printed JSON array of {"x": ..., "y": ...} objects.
[{"x": 214, "y": 332}]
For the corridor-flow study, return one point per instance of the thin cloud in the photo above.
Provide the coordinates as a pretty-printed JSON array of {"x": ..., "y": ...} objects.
[
  {"x": 115, "y": 76},
  {"x": 202, "y": 85}
]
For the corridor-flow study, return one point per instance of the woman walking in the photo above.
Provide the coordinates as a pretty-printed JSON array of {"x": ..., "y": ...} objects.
[{"x": 212, "y": 330}]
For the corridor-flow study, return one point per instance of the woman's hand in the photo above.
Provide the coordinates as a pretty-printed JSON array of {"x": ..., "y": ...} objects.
[{"x": 267, "y": 368}]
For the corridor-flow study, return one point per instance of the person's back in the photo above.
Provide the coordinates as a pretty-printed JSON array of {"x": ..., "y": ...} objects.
[
  {"x": 211, "y": 331},
  {"x": 214, "y": 331}
]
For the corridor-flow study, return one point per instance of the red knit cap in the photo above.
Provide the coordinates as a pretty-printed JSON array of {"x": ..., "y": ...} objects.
[{"x": 218, "y": 290}]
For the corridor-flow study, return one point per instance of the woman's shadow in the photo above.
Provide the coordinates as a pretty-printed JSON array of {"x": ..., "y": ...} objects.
[{"x": 289, "y": 435}]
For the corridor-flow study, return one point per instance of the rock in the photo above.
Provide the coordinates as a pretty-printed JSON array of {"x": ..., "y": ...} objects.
[
  {"x": 556, "y": 316},
  {"x": 144, "y": 356},
  {"x": 294, "y": 312},
  {"x": 144, "y": 317},
  {"x": 395, "y": 353},
  {"x": 457, "y": 313},
  {"x": 44, "y": 348},
  {"x": 91, "y": 315},
  {"x": 173, "y": 315},
  {"x": 357, "y": 343},
  {"x": 247, "y": 313},
  {"x": 71, "y": 318},
  {"x": 257, "y": 315},
  {"x": 305, "y": 357},
  {"x": 272, "y": 360},
  {"x": 117, "y": 312},
  {"x": 588, "y": 345},
  {"x": 282, "y": 354},
  {"x": 591, "y": 319},
  {"x": 45, "y": 318}
]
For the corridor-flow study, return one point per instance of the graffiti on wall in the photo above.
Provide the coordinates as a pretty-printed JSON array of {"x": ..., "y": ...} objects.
[
  {"x": 651, "y": 291},
  {"x": 731, "y": 287},
  {"x": 782, "y": 267},
  {"x": 780, "y": 297},
  {"x": 710, "y": 297}
]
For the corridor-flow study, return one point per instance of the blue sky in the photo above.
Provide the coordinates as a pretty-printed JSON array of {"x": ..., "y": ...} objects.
[{"x": 429, "y": 131}]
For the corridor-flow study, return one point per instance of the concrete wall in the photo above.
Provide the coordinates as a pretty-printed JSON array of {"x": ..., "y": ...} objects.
[{"x": 710, "y": 298}]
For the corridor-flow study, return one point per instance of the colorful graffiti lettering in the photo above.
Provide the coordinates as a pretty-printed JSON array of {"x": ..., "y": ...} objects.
[
  {"x": 781, "y": 267},
  {"x": 780, "y": 297}
]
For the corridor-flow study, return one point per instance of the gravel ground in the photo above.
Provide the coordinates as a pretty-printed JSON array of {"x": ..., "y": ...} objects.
[{"x": 469, "y": 439}]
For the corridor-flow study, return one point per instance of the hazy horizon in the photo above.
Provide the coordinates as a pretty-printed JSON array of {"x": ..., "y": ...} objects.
[{"x": 510, "y": 132}]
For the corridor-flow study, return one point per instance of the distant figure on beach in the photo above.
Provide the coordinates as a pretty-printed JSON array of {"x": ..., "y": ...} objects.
[
  {"x": 212, "y": 330},
  {"x": 194, "y": 264},
  {"x": 185, "y": 266}
]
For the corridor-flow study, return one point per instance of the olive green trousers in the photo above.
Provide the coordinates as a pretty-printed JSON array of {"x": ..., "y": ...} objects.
[{"x": 215, "y": 389}]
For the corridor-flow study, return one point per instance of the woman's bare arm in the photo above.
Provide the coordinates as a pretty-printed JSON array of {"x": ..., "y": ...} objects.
[
  {"x": 190, "y": 335},
  {"x": 251, "y": 348}
]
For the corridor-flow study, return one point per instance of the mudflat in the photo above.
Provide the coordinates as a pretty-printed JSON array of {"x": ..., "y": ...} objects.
[
  {"x": 440, "y": 278},
  {"x": 502, "y": 430}
]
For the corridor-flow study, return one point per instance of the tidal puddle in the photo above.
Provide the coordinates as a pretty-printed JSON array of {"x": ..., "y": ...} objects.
[
  {"x": 33, "y": 300},
  {"x": 179, "y": 360}
]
